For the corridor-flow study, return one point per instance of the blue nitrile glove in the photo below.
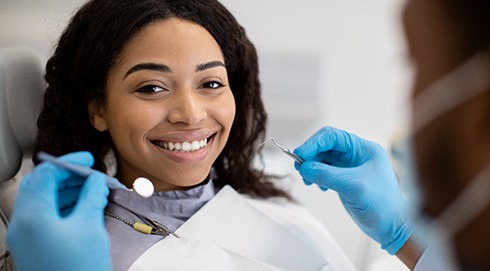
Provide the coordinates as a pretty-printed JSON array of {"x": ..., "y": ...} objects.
[
  {"x": 361, "y": 173},
  {"x": 70, "y": 190},
  {"x": 39, "y": 238}
]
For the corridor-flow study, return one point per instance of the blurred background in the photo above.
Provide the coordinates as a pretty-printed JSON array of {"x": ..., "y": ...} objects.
[{"x": 323, "y": 62}]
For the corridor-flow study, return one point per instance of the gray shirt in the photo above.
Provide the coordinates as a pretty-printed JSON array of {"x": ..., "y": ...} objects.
[{"x": 170, "y": 208}]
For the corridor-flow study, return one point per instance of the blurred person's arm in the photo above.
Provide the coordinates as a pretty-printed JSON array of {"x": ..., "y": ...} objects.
[{"x": 409, "y": 253}]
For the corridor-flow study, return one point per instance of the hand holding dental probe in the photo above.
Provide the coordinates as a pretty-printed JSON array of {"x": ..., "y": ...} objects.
[
  {"x": 360, "y": 172},
  {"x": 141, "y": 185}
]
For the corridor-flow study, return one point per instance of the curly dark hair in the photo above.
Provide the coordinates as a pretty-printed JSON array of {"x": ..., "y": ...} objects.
[{"x": 90, "y": 46}]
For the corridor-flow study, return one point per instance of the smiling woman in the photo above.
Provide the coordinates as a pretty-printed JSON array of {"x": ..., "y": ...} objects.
[
  {"x": 180, "y": 99},
  {"x": 110, "y": 40},
  {"x": 169, "y": 91}
]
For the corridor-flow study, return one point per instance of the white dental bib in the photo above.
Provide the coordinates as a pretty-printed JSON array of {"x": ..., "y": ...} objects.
[{"x": 229, "y": 233}]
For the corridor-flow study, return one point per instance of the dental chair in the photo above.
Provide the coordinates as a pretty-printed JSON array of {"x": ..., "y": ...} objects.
[{"x": 21, "y": 92}]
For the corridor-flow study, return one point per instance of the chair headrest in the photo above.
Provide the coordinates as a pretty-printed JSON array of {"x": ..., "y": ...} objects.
[{"x": 21, "y": 92}]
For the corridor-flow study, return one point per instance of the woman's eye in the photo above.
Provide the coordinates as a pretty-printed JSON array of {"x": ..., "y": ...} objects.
[
  {"x": 213, "y": 85},
  {"x": 150, "y": 89}
]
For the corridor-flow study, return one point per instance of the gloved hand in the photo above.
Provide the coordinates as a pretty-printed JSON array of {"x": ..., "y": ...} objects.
[
  {"x": 39, "y": 238},
  {"x": 360, "y": 171},
  {"x": 69, "y": 191}
]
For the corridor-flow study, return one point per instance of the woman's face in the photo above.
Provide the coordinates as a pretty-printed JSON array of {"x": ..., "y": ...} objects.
[{"x": 169, "y": 107}]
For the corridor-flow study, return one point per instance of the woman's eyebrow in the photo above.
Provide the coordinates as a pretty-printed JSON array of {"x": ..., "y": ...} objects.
[
  {"x": 148, "y": 66},
  {"x": 209, "y": 65}
]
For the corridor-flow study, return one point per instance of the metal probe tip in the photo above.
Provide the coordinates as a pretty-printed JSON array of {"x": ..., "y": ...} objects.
[{"x": 287, "y": 151}]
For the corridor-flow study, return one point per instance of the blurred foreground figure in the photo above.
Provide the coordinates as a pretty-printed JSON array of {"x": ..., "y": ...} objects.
[{"x": 449, "y": 139}]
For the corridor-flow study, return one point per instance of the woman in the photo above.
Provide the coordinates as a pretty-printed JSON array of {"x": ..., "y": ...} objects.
[{"x": 169, "y": 90}]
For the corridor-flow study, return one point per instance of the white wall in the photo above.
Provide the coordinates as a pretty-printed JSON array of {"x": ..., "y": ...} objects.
[{"x": 324, "y": 62}]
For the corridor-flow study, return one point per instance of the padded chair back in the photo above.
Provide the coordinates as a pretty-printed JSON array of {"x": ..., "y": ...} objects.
[{"x": 21, "y": 92}]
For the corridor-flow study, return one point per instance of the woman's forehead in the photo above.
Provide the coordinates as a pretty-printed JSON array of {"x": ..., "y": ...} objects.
[{"x": 173, "y": 42}]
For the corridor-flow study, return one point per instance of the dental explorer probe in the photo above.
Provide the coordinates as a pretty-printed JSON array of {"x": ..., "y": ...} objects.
[
  {"x": 287, "y": 151},
  {"x": 141, "y": 185}
]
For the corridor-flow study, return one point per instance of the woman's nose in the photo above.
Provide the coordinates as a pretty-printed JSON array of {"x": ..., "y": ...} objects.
[{"x": 187, "y": 108}]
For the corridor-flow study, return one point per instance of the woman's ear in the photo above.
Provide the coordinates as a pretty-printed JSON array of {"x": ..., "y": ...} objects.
[{"x": 96, "y": 115}]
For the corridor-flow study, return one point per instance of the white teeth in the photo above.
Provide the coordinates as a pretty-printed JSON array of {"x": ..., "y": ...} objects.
[
  {"x": 203, "y": 142},
  {"x": 178, "y": 146},
  {"x": 195, "y": 145},
  {"x": 184, "y": 146}
]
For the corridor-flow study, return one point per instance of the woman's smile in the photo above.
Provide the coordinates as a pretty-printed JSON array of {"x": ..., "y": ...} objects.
[{"x": 185, "y": 151}]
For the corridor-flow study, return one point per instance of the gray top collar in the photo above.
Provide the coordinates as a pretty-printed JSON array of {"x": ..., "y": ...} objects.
[{"x": 170, "y": 208}]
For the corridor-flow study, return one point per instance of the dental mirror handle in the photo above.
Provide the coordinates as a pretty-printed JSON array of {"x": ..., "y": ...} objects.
[{"x": 112, "y": 182}]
